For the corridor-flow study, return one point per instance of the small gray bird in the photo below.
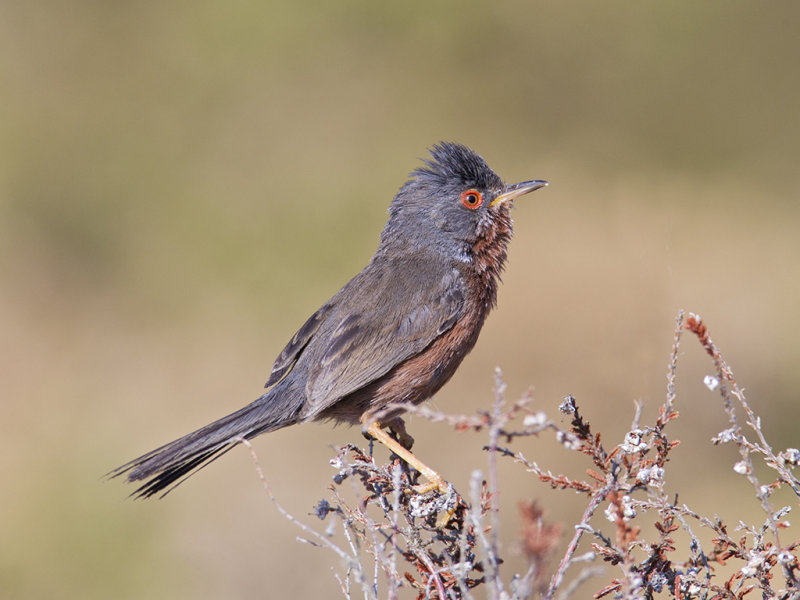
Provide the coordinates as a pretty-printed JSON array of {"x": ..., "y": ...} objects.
[{"x": 394, "y": 334}]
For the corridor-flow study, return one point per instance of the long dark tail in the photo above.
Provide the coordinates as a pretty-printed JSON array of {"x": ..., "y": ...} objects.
[{"x": 167, "y": 466}]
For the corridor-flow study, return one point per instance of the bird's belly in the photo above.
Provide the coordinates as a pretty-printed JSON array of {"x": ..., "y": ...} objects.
[{"x": 414, "y": 380}]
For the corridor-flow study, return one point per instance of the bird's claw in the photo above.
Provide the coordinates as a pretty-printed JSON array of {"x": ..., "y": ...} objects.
[
  {"x": 436, "y": 483},
  {"x": 398, "y": 427},
  {"x": 445, "y": 489}
]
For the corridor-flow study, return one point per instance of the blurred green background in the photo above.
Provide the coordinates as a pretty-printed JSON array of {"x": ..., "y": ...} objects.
[{"x": 181, "y": 184}]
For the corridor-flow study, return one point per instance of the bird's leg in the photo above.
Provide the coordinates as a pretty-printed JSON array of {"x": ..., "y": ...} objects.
[
  {"x": 398, "y": 427},
  {"x": 435, "y": 481}
]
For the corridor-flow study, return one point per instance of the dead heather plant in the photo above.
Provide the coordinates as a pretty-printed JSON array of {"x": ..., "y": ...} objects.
[{"x": 393, "y": 543}]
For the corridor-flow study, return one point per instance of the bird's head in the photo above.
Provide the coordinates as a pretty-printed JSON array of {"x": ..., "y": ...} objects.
[{"x": 451, "y": 201}]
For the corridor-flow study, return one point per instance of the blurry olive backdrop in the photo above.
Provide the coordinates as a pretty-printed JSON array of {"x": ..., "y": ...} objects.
[{"x": 182, "y": 184}]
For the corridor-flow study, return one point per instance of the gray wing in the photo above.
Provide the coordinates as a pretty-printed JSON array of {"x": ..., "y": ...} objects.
[
  {"x": 289, "y": 355},
  {"x": 375, "y": 328}
]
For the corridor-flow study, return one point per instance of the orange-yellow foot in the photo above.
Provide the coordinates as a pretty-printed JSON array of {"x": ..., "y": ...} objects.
[
  {"x": 435, "y": 481},
  {"x": 447, "y": 493}
]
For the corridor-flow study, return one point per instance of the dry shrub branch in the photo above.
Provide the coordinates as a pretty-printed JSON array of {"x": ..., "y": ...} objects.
[{"x": 392, "y": 544}]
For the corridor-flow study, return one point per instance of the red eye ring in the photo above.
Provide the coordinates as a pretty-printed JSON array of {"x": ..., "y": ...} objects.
[{"x": 472, "y": 199}]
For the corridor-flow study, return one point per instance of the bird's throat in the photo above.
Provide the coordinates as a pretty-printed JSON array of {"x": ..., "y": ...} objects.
[{"x": 489, "y": 252}]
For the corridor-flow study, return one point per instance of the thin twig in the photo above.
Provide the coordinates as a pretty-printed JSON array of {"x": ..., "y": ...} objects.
[{"x": 558, "y": 576}]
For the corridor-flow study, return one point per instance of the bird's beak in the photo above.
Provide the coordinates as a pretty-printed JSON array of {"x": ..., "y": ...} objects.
[{"x": 518, "y": 189}]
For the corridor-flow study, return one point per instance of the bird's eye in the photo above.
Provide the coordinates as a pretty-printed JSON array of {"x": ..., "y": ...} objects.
[{"x": 472, "y": 199}]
